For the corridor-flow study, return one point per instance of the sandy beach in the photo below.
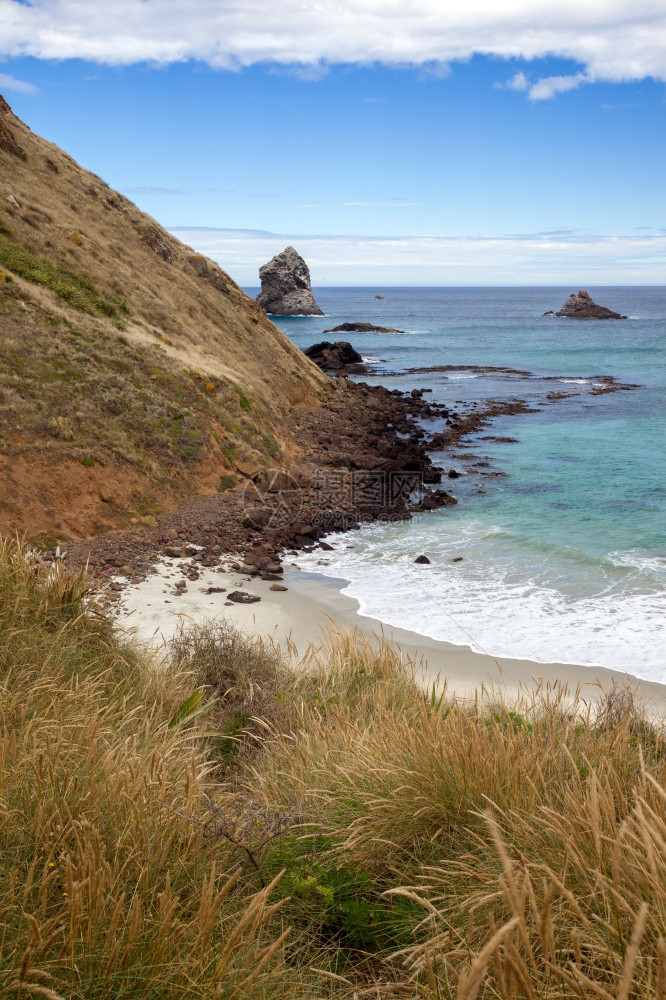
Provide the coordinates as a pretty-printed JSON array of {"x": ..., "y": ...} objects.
[{"x": 299, "y": 619}]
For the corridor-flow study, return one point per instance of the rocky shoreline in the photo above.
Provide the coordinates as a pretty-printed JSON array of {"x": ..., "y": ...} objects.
[{"x": 365, "y": 456}]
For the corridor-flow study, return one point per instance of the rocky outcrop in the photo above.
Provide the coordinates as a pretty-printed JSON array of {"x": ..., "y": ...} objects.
[
  {"x": 285, "y": 286},
  {"x": 7, "y": 138},
  {"x": 583, "y": 306},
  {"x": 338, "y": 358},
  {"x": 362, "y": 328}
]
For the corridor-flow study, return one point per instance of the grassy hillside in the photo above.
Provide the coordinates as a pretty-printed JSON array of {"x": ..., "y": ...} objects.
[
  {"x": 225, "y": 828},
  {"x": 127, "y": 361}
]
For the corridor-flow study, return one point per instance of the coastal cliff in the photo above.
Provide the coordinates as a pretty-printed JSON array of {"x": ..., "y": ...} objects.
[{"x": 134, "y": 373}]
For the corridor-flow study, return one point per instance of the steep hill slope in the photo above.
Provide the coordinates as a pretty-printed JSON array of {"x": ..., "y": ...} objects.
[{"x": 134, "y": 373}]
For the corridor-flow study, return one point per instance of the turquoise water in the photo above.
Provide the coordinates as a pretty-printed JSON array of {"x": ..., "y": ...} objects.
[{"x": 564, "y": 558}]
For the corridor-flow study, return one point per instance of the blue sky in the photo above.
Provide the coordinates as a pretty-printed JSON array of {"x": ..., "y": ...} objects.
[{"x": 491, "y": 168}]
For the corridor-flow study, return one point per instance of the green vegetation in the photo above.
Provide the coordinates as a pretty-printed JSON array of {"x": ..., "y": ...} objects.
[
  {"x": 100, "y": 398},
  {"x": 76, "y": 289},
  {"x": 228, "y": 827},
  {"x": 243, "y": 401},
  {"x": 226, "y": 483}
]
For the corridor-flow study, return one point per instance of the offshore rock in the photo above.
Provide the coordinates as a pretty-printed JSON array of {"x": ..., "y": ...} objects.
[
  {"x": 285, "y": 286},
  {"x": 362, "y": 328},
  {"x": 583, "y": 306},
  {"x": 336, "y": 358}
]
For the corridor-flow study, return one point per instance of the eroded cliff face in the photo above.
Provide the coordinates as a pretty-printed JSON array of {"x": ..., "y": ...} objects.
[
  {"x": 285, "y": 286},
  {"x": 134, "y": 373}
]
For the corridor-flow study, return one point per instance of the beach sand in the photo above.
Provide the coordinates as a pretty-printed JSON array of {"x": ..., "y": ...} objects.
[{"x": 302, "y": 617}]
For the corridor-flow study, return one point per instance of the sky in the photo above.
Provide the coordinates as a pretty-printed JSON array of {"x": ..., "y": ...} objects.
[{"x": 392, "y": 142}]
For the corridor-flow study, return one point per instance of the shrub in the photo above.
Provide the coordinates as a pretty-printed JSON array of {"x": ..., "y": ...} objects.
[
  {"x": 226, "y": 483},
  {"x": 248, "y": 679}
]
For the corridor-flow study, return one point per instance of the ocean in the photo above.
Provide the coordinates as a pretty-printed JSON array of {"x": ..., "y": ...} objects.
[{"x": 563, "y": 558}]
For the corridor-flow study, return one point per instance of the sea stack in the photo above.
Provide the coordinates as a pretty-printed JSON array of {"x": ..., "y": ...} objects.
[
  {"x": 285, "y": 286},
  {"x": 583, "y": 306}
]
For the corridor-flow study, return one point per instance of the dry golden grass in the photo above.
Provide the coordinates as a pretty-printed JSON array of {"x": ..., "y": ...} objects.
[
  {"x": 533, "y": 835},
  {"x": 167, "y": 289},
  {"x": 109, "y": 887},
  {"x": 415, "y": 846}
]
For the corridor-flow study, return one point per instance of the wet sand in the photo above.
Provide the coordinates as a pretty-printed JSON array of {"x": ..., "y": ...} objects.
[{"x": 299, "y": 620}]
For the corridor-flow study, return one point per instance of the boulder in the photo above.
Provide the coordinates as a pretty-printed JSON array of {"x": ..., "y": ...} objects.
[
  {"x": 362, "y": 328},
  {"x": 337, "y": 357},
  {"x": 583, "y": 306},
  {"x": 422, "y": 561},
  {"x": 285, "y": 286},
  {"x": 241, "y": 597}
]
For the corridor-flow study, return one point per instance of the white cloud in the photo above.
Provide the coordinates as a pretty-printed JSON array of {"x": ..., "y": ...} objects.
[
  {"x": 615, "y": 40},
  {"x": 546, "y": 88},
  {"x": 20, "y": 86},
  {"x": 517, "y": 82},
  {"x": 553, "y": 258}
]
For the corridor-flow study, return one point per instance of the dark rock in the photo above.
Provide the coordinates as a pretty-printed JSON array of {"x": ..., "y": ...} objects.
[
  {"x": 241, "y": 597},
  {"x": 443, "y": 499},
  {"x": 274, "y": 480},
  {"x": 285, "y": 286},
  {"x": 278, "y": 587},
  {"x": 209, "y": 271},
  {"x": 249, "y": 570},
  {"x": 335, "y": 358},
  {"x": 379, "y": 296},
  {"x": 7, "y": 139},
  {"x": 362, "y": 328},
  {"x": 257, "y": 518},
  {"x": 157, "y": 241},
  {"x": 452, "y": 474},
  {"x": 457, "y": 559},
  {"x": 215, "y": 590},
  {"x": 583, "y": 306},
  {"x": 422, "y": 560}
]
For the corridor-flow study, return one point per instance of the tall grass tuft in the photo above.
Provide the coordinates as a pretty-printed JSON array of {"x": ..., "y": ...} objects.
[
  {"x": 531, "y": 834},
  {"x": 107, "y": 888}
]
